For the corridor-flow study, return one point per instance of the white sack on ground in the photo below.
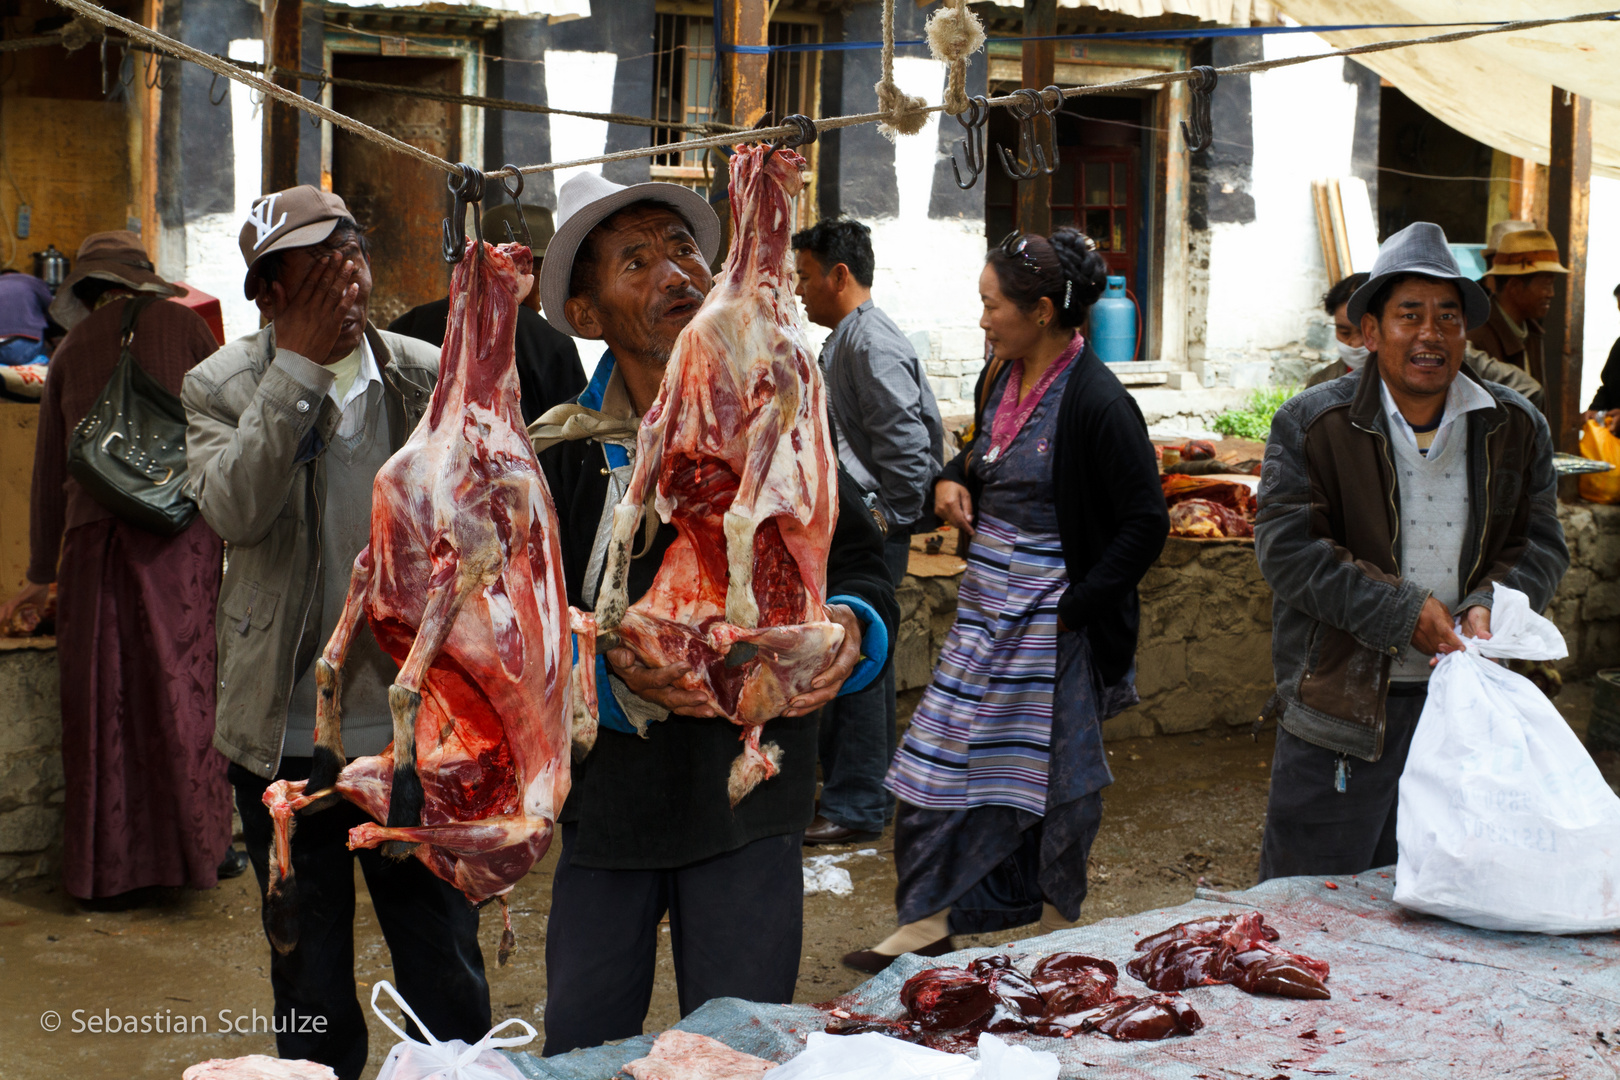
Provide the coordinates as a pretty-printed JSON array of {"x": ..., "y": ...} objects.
[{"x": 1504, "y": 821}]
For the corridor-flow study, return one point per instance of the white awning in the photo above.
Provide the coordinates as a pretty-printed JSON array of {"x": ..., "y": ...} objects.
[
  {"x": 555, "y": 10},
  {"x": 1227, "y": 12},
  {"x": 1496, "y": 89}
]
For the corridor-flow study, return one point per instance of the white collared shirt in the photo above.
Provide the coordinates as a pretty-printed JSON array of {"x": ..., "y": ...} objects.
[
  {"x": 1462, "y": 397},
  {"x": 352, "y": 404}
]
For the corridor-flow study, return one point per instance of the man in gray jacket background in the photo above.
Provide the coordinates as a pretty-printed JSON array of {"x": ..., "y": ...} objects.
[
  {"x": 286, "y": 431},
  {"x": 890, "y": 439}
]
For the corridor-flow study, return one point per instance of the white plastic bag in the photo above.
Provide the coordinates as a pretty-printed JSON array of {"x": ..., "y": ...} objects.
[
  {"x": 1504, "y": 821},
  {"x": 453, "y": 1060},
  {"x": 1000, "y": 1060},
  {"x": 872, "y": 1056}
]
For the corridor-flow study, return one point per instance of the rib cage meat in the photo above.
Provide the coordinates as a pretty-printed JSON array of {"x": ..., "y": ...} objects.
[
  {"x": 462, "y": 585},
  {"x": 736, "y": 453}
]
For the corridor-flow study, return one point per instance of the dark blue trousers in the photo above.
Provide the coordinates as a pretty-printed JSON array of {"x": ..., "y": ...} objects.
[
  {"x": 1314, "y": 828},
  {"x": 857, "y": 737},
  {"x": 736, "y": 925},
  {"x": 431, "y": 930}
]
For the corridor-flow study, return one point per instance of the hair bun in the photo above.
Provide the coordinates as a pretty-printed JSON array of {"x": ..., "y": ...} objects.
[{"x": 1083, "y": 265}]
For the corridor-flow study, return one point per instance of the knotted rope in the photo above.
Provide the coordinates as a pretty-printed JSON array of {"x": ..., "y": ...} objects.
[
  {"x": 902, "y": 113},
  {"x": 954, "y": 34}
]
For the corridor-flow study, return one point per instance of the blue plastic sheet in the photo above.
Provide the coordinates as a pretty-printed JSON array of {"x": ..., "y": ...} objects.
[{"x": 1414, "y": 996}]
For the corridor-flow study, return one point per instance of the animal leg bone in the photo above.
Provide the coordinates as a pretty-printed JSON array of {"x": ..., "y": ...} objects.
[
  {"x": 405, "y": 697},
  {"x": 583, "y": 703},
  {"x": 328, "y": 756},
  {"x": 754, "y": 764},
  {"x": 283, "y": 799}
]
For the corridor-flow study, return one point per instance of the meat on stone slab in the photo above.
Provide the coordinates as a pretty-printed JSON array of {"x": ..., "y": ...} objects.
[{"x": 736, "y": 452}]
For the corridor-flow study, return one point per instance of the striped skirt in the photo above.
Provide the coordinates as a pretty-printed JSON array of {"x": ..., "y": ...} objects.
[{"x": 982, "y": 734}]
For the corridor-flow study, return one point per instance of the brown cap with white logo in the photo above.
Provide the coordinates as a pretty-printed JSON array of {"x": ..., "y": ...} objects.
[{"x": 297, "y": 217}]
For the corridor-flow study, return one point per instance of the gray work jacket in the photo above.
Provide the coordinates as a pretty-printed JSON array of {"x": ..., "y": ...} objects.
[
  {"x": 890, "y": 436},
  {"x": 258, "y": 422}
]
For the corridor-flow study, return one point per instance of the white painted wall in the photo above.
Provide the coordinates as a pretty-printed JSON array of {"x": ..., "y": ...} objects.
[
  {"x": 213, "y": 259},
  {"x": 1602, "y": 275},
  {"x": 1266, "y": 277}
]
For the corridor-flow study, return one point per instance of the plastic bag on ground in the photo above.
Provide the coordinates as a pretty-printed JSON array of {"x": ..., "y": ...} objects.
[
  {"x": 452, "y": 1060},
  {"x": 1504, "y": 821},
  {"x": 872, "y": 1056}
]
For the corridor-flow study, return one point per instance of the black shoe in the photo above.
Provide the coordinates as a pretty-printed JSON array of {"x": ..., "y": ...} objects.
[
  {"x": 235, "y": 864},
  {"x": 872, "y": 962},
  {"x": 826, "y": 831}
]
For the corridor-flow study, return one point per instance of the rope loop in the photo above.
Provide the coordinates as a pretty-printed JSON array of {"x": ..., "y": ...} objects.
[
  {"x": 954, "y": 34},
  {"x": 902, "y": 113}
]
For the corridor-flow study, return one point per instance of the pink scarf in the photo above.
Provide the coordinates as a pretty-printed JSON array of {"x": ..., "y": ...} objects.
[{"x": 1014, "y": 413}]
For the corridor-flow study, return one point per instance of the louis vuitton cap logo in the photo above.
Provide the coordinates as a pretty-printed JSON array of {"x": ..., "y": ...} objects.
[{"x": 259, "y": 218}]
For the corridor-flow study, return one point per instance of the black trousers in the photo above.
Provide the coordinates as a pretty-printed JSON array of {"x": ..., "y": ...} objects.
[
  {"x": 736, "y": 924},
  {"x": 1311, "y": 826},
  {"x": 431, "y": 930}
]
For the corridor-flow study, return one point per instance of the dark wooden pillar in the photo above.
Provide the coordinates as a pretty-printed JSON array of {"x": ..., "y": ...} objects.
[
  {"x": 1569, "y": 177},
  {"x": 1040, "y": 60},
  {"x": 284, "y": 49},
  {"x": 742, "y": 75}
]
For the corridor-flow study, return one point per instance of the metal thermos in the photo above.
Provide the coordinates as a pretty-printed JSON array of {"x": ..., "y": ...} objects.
[
  {"x": 1113, "y": 324},
  {"x": 51, "y": 266}
]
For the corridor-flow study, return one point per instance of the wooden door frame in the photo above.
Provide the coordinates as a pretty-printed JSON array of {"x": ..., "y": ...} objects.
[
  {"x": 470, "y": 51},
  {"x": 1163, "y": 160}
]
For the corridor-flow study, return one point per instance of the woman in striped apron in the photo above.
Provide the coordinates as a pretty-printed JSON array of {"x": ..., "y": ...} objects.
[{"x": 1000, "y": 775}]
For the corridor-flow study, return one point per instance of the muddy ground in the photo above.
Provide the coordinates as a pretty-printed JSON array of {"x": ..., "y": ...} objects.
[{"x": 1183, "y": 809}]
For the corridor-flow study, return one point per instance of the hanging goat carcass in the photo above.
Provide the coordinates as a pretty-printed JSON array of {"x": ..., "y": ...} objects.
[
  {"x": 737, "y": 454},
  {"x": 462, "y": 585}
]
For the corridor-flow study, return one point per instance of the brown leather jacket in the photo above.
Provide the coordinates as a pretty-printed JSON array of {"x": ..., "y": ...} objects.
[{"x": 1327, "y": 537}]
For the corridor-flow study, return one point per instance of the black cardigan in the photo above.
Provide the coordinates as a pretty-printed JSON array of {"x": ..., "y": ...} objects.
[
  {"x": 1112, "y": 518},
  {"x": 660, "y": 802}
]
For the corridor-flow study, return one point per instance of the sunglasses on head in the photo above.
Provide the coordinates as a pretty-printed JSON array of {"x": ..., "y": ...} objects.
[{"x": 1016, "y": 246}]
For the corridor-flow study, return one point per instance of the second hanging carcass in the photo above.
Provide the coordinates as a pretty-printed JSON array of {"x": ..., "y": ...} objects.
[{"x": 737, "y": 454}]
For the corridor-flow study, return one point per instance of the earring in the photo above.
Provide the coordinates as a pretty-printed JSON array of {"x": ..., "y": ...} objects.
[{"x": 1042, "y": 322}]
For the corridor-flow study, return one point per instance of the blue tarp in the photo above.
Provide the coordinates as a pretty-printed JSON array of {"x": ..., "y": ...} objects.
[{"x": 1414, "y": 996}]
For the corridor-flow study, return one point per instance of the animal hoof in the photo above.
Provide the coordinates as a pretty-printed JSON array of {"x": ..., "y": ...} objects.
[
  {"x": 281, "y": 916},
  {"x": 398, "y": 849}
]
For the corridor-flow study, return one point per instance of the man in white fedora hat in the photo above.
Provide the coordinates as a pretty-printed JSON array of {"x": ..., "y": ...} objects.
[{"x": 649, "y": 828}]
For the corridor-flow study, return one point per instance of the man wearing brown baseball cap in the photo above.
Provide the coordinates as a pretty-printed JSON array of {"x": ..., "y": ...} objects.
[
  {"x": 287, "y": 429},
  {"x": 1523, "y": 277}
]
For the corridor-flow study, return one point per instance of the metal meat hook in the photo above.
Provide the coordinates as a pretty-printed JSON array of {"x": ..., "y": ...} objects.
[
  {"x": 1029, "y": 144},
  {"x": 1203, "y": 133},
  {"x": 973, "y": 147},
  {"x": 514, "y": 189},
  {"x": 806, "y": 135},
  {"x": 467, "y": 185},
  {"x": 1051, "y": 121}
]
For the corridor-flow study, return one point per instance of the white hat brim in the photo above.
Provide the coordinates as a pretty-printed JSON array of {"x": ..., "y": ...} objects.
[{"x": 558, "y": 268}]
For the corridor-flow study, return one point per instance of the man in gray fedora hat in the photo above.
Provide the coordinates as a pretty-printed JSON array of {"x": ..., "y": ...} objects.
[
  {"x": 548, "y": 367},
  {"x": 1390, "y": 505},
  {"x": 648, "y": 827}
]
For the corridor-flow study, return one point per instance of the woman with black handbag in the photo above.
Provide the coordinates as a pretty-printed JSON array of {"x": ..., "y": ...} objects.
[{"x": 147, "y": 801}]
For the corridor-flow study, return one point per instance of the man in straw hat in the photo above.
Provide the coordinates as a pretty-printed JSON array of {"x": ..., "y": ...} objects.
[
  {"x": 548, "y": 367},
  {"x": 1523, "y": 277},
  {"x": 1391, "y": 503},
  {"x": 287, "y": 429},
  {"x": 147, "y": 805},
  {"x": 649, "y": 827}
]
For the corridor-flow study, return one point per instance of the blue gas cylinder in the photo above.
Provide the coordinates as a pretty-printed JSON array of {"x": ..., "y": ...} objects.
[{"x": 1113, "y": 323}]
